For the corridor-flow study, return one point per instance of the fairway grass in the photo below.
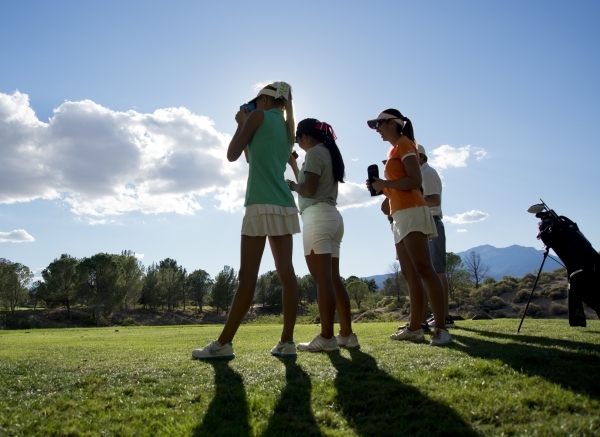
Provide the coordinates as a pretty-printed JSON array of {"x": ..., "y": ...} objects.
[{"x": 138, "y": 381}]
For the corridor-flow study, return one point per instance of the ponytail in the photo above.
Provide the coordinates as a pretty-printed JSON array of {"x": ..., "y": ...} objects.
[
  {"x": 406, "y": 128},
  {"x": 323, "y": 132}
]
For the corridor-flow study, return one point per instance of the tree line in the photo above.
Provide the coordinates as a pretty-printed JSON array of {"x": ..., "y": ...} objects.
[{"x": 106, "y": 282}]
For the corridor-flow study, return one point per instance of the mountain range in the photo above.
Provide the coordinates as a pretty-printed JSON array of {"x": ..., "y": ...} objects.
[{"x": 513, "y": 260}]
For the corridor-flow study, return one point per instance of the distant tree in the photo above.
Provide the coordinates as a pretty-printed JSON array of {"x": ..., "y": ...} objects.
[
  {"x": 150, "y": 288},
  {"x": 475, "y": 267},
  {"x": 132, "y": 278},
  {"x": 358, "y": 290},
  {"x": 307, "y": 289},
  {"x": 61, "y": 282},
  {"x": 14, "y": 280},
  {"x": 371, "y": 284},
  {"x": 170, "y": 278},
  {"x": 199, "y": 283},
  {"x": 454, "y": 265},
  {"x": 396, "y": 286},
  {"x": 223, "y": 289},
  {"x": 99, "y": 281},
  {"x": 351, "y": 279},
  {"x": 34, "y": 296}
]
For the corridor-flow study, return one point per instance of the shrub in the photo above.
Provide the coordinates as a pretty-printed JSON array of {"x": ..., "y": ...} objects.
[
  {"x": 535, "y": 310},
  {"x": 496, "y": 303},
  {"x": 129, "y": 321},
  {"x": 12, "y": 322},
  {"x": 557, "y": 309},
  {"x": 557, "y": 293},
  {"x": 521, "y": 296}
]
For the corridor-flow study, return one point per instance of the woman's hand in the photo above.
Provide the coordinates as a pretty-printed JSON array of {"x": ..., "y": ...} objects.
[
  {"x": 242, "y": 115},
  {"x": 378, "y": 184}
]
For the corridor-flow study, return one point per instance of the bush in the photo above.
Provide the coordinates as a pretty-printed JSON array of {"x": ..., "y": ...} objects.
[
  {"x": 521, "y": 296},
  {"x": 535, "y": 310},
  {"x": 557, "y": 309},
  {"x": 129, "y": 321},
  {"x": 557, "y": 293},
  {"x": 496, "y": 303},
  {"x": 10, "y": 322}
]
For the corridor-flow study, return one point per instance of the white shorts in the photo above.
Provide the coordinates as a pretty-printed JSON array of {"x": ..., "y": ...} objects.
[
  {"x": 416, "y": 219},
  {"x": 323, "y": 229},
  {"x": 262, "y": 220}
]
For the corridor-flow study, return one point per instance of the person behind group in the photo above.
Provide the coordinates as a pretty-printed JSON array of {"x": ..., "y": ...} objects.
[
  {"x": 322, "y": 230},
  {"x": 413, "y": 224},
  {"x": 270, "y": 212},
  {"x": 432, "y": 193}
]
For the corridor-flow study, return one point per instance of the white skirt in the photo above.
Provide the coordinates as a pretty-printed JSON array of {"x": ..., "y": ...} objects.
[
  {"x": 262, "y": 220},
  {"x": 416, "y": 219}
]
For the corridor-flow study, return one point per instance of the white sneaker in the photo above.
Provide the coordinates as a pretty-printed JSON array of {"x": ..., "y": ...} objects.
[
  {"x": 407, "y": 334},
  {"x": 320, "y": 344},
  {"x": 214, "y": 351},
  {"x": 284, "y": 350},
  {"x": 349, "y": 342},
  {"x": 440, "y": 337}
]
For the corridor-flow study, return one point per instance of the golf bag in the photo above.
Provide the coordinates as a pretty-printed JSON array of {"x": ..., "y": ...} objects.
[{"x": 581, "y": 260}]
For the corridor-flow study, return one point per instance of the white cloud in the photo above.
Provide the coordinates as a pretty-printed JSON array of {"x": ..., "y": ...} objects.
[
  {"x": 139, "y": 255},
  {"x": 103, "y": 162},
  {"x": 16, "y": 236},
  {"x": 354, "y": 159},
  {"x": 353, "y": 195},
  {"x": 93, "y": 222},
  {"x": 447, "y": 156},
  {"x": 461, "y": 230},
  {"x": 472, "y": 216}
]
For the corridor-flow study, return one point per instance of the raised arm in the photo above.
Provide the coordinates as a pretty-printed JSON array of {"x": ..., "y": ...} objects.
[{"x": 248, "y": 123}]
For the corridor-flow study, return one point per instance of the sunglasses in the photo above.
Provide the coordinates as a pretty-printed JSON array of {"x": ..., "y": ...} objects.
[{"x": 380, "y": 122}]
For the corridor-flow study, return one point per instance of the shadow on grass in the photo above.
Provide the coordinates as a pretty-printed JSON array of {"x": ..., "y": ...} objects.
[
  {"x": 227, "y": 414},
  {"x": 571, "y": 364},
  {"x": 292, "y": 415},
  {"x": 376, "y": 404}
]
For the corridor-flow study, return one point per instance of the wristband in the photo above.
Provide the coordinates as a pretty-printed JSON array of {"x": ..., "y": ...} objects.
[{"x": 289, "y": 184}]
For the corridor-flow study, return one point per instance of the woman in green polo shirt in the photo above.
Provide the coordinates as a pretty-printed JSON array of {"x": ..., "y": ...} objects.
[{"x": 267, "y": 138}]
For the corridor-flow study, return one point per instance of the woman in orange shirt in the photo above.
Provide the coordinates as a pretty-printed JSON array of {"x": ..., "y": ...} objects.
[{"x": 412, "y": 225}]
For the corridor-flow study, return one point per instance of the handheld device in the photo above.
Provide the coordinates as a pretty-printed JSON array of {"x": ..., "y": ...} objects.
[
  {"x": 251, "y": 106},
  {"x": 373, "y": 172},
  {"x": 295, "y": 154}
]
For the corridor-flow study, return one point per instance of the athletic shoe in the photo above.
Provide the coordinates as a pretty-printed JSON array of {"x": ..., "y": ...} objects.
[
  {"x": 407, "y": 334},
  {"x": 401, "y": 327},
  {"x": 425, "y": 327},
  {"x": 349, "y": 342},
  {"x": 450, "y": 322},
  {"x": 214, "y": 351},
  {"x": 320, "y": 344},
  {"x": 431, "y": 320},
  {"x": 284, "y": 350},
  {"x": 440, "y": 337}
]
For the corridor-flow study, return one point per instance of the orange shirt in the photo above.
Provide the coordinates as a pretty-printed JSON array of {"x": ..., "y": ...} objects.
[{"x": 394, "y": 170}]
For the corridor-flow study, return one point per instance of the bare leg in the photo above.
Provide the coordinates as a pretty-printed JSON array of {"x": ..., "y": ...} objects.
[
  {"x": 416, "y": 292},
  {"x": 445, "y": 286},
  {"x": 252, "y": 249},
  {"x": 444, "y": 280},
  {"x": 417, "y": 247},
  {"x": 282, "y": 254},
  {"x": 425, "y": 308},
  {"x": 341, "y": 298},
  {"x": 320, "y": 269}
]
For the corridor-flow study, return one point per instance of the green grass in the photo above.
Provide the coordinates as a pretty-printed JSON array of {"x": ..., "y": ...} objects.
[{"x": 142, "y": 381}]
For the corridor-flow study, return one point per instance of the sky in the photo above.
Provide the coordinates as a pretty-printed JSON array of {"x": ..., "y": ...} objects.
[{"x": 115, "y": 118}]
